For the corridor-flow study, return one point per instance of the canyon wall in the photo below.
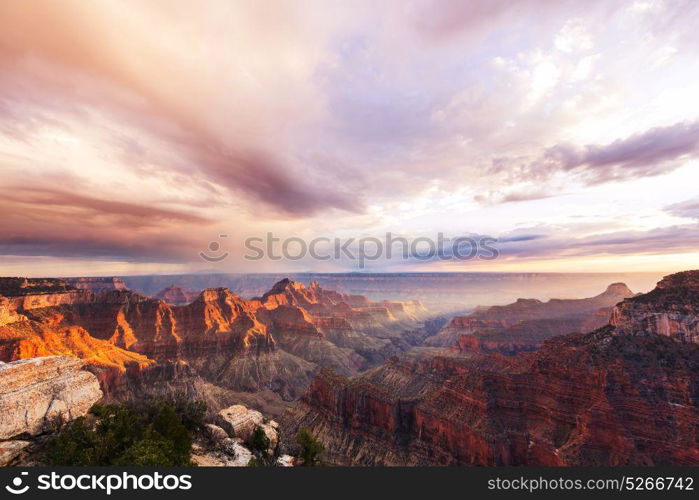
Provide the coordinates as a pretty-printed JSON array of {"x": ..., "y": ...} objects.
[
  {"x": 231, "y": 347},
  {"x": 624, "y": 394},
  {"x": 525, "y": 324},
  {"x": 671, "y": 309}
]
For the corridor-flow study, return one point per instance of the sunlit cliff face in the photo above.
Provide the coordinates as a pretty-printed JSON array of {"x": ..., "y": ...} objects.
[{"x": 132, "y": 134}]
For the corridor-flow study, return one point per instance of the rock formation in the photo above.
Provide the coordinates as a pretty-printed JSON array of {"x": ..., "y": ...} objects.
[
  {"x": 229, "y": 445},
  {"x": 37, "y": 393},
  {"x": 526, "y": 323},
  {"x": 625, "y": 394},
  {"x": 218, "y": 346},
  {"x": 672, "y": 309},
  {"x": 239, "y": 421},
  {"x": 97, "y": 284},
  {"x": 176, "y": 296},
  {"x": 11, "y": 450}
]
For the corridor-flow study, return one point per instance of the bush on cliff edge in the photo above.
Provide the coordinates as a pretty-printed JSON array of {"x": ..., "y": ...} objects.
[{"x": 120, "y": 435}]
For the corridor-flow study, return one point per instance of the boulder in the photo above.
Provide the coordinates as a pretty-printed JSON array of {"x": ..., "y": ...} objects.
[
  {"x": 215, "y": 433},
  {"x": 37, "y": 392},
  {"x": 285, "y": 461},
  {"x": 239, "y": 421},
  {"x": 273, "y": 436}
]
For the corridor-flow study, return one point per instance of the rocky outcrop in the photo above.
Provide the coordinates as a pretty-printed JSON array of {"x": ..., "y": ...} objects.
[
  {"x": 215, "y": 433},
  {"x": 37, "y": 392},
  {"x": 231, "y": 444},
  {"x": 285, "y": 461},
  {"x": 10, "y": 451},
  {"x": 525, "y": 324},
  {"x": 600, "y": 398},
  {"x": 671, "y": 309},
  {"x": 271, "y": 432},
  {"x": 239, "y": 421},
  {"x": 228, "y": 452}
]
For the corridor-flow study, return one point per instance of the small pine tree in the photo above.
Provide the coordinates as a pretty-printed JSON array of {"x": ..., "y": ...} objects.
[
  {"x": 311, "y": 448},
  {"x": 259, "y": 441},
  {"x": 171, "y": 429}
]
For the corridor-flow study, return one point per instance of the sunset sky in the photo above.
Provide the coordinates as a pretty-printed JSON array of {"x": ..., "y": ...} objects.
[{"x": 133, "y": 133}]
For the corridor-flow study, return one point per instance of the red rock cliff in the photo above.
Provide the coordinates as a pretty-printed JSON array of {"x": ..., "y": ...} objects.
[{"x": 601, "y": 398}]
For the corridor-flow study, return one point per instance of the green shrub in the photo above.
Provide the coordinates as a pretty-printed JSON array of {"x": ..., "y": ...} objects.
[
  {"x": 154, "y": 435},
  {"x": 259, "y": 441},
  {"x": 311, "y": 448},
  {"x": 149, "y": 453},
  {"x": 168, "y": 426},
  {"x": 191, "y": 413}
]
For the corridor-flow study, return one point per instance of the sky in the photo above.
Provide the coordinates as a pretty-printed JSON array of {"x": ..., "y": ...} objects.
[{"x": 137, "y": 135}]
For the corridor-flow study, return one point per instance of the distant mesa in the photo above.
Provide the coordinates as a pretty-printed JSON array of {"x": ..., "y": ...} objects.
[
  {"x": 97, "y": 285},
  {"x": 18, "y": 287},
  {"x": 525, "y": 324},
  {"x": 176, "y": 296}
]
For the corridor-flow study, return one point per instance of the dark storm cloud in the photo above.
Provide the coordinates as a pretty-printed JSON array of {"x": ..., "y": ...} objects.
[
  {"x": 274, "y": 183},
  {"x": 56, "y": 200},
  {"x": 58, "y": 223}
]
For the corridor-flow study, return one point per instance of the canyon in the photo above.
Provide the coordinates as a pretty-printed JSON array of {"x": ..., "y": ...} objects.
[
  {"x": 606, "y": 380},
  {"x": 217, "y": 347},
  {"x": 624, "y": 394}
]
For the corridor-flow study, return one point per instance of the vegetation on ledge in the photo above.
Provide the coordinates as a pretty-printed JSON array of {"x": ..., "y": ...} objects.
[{"x": 157, "y": 432}]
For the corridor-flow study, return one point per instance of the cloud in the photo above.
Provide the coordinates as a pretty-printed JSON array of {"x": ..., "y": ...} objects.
[
  {"x": 688, "y": 208},
  {"x": 60, "y": 223},
  {"x": 562, "y": 244},
  {"x": 279, "y": 185},
  {"x": 78, "y": 68},
  {"x": 130, "y": 213},
  {"x": 457, "y": 17},
  {"x": 135, "y": 123},
  {"x": 652, "y": 152}
]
